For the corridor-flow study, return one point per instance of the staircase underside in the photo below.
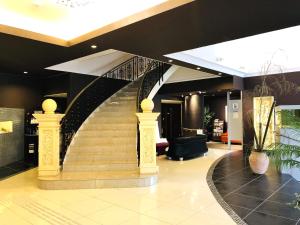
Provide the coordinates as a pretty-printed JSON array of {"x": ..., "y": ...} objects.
[{"x": 84, "y": 180}]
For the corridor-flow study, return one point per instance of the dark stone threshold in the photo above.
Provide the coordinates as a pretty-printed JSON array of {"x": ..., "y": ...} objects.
[
  {"x": 14, "y": 169},
  {"x": 253, "y": 199}
]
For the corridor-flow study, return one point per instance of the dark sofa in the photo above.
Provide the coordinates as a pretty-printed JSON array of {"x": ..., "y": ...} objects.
[{"x": 187, "y": 147}]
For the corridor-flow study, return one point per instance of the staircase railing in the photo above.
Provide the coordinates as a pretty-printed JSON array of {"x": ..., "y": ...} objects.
[
  {"x": 153, "y": 75},
  {"x": 95, "y": 93}
]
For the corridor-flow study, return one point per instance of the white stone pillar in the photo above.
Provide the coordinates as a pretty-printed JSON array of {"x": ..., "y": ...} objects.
[
  {"x": 147, "y": 126},
  {"x": 49, "y": 130}
]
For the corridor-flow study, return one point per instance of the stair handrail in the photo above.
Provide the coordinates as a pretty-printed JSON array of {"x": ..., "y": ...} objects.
[
  {"x": 109, "y": 75},
  {"x": 153, "y": 74},
  {"x": 129, "y": 70},
  {"x": 150, "y": 79}
]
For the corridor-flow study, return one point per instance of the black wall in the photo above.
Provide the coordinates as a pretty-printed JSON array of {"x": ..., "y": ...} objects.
[
  {"x": 20, "y": 91},
  {"x": 217, "y": 105},
  {"x": 193, "y": 111}
]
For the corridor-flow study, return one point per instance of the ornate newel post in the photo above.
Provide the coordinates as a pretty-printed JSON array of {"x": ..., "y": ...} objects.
[
  {"x": 49, "y": 129},
  {"x": 147, "y": 126}
]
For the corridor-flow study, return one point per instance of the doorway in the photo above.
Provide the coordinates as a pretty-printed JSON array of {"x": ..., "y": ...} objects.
[{"x": 171, "y": 114}]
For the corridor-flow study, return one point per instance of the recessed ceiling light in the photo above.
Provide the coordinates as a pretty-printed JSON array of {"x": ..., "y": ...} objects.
[
  {"x": 170, "y": 60},
  {"x": 190, "y": 93},
  {"x": 198, "y": 68},
  {"x": 200, "y": 92},
  {"x": 25, "y": 72},
  {"x": 94, "y": 46}
]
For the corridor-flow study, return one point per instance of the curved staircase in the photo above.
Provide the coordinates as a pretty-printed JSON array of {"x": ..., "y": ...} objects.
[
  {"x": 107, "y": 139},
  {"x": 103, "y": 152}
]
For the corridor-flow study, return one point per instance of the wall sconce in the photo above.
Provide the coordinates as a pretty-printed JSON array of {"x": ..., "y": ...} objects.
[{"x": 6, "y": 127}]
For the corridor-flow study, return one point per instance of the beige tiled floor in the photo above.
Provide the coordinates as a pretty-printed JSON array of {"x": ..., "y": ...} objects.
[{"x": 181, "y": 197}]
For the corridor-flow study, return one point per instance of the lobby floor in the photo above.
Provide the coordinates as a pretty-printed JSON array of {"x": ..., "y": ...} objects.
[
  {"x": 182, "y": 197},
  {"x": 256, "y": 199}
]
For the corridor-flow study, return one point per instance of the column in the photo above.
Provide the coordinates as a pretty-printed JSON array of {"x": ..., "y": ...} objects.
[
  {"x": 49, "y": 130},
  {"x": 147, "y": 126}
]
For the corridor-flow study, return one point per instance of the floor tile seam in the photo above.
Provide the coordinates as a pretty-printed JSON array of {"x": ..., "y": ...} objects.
[
  {"x": 19, "y": 216},
  {"x": 152, "y": 217},
  {"x": 270, "y": 214},
  {"x": 239, "y": 206},
  {"x": 228, "y": 176},
  {"x": 266, "y": 199},
  {"x": 25, "y": 218},
  {"x": 248, "y": 196},
  {"x": 242, "y": 186},
  {"x": 233, "y": 172},
  {"x": 48, "y": 211},
  {"x": 45, "y": 216}
]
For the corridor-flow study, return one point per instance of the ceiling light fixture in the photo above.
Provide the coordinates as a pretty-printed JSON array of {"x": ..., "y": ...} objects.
[
  {"x": 219, "y": 73},
  {"x": 25, "y": 72},
  {"x": 94, "y": 46},
  {"x": 190, "y": 94},
  {"x": 170, "y": 60},
  {"x": 198, "y": 68},
  {"x": 74, "y": 3}
]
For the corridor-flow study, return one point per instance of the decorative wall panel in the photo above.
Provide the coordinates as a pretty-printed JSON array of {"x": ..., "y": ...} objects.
[{"x": 12, "y": 144}]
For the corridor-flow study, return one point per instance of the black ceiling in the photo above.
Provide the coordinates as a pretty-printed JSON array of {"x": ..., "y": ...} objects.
[{"x": 200, "y": 23}]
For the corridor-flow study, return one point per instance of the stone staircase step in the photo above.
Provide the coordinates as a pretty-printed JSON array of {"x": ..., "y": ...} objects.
[
  {"x": 112, "y": 119},
  {"x": 108, "y": 133},
  {"x": 103, "y": 179},
  {"x": 118, "y": 108},
  {"x": 100, "y": 156},
  {"x": 88, "y": 141},
  {"x": 102, "y": 162},
  {"x": 104, "y": 148},
  {"x": 124, "y": 98},
  {"x": 126, "y": 94},
  {"x": 103, "y": 126},
  {"x": 114, "y": 114},
  {"x": 100, "y": 167}
]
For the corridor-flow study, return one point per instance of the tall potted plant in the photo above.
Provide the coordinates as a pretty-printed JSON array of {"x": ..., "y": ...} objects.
[{"x": 277, "y": 87}]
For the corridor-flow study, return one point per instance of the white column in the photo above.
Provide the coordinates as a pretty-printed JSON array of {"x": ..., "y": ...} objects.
[
  {"x": 49, "y": 130},
  {"x": 147, "y": 126}
]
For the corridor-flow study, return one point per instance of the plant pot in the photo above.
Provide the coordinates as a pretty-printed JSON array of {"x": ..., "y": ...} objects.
[{"x": 259, "y": 162}]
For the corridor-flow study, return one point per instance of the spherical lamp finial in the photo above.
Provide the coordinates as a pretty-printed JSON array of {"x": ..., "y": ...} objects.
[
  {"x": 49, "y": 106},
  {"x": 147, "y": 105}
]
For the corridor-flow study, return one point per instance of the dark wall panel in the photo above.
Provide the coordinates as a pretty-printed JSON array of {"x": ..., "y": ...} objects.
[
  {"x": 19, "y": 91},
  {"x": 193, "y": 111},
  {"x": 217, "y": 105}
]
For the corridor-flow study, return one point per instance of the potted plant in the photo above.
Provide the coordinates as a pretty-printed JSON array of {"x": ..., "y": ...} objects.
[
  {"x": 258, "y": 159},
  {"x": 207, "y": 119}
]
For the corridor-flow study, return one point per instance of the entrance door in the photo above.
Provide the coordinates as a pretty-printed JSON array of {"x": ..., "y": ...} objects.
[{"x": 171, "y": 120}]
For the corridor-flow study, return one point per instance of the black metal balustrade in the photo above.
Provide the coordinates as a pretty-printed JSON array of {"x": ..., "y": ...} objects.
[
  {"x": 96, "y": 93},
  {"x": 153, "y": 75}
]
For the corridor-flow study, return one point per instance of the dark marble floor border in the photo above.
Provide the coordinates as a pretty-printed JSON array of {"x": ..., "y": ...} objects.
[
  {"x": 217, "y": 196},
  {"x": 14, "y": 169}
]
